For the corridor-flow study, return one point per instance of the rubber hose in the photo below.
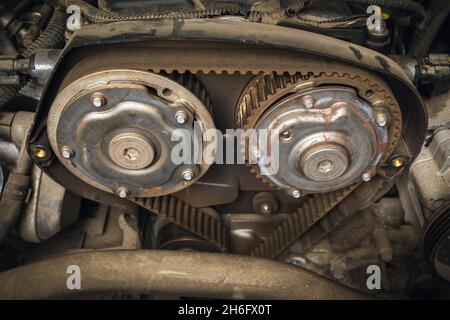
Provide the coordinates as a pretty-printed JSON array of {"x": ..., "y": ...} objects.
[
  {"x": 438, "y": 10},
  {"x": 177, "y": 273},
  {"x": 51, "y": 38}
]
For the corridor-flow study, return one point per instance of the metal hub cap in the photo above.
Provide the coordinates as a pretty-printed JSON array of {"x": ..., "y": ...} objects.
[
  {"x": 131, "y": 151},
  {"x": 332, "y": 142},
  {"x": 324, "y": 162},
  {"x": 124, "y": 144}
]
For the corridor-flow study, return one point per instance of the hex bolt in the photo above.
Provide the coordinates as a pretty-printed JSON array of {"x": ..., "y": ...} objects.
[
  {"x": 308, "y": 102},
  {"x": 181, "y": 117},
  {"x": 98, "y": 100},
  {"x": 295, "y": 194},
  {"x": 123, "y": 192},
  {"x": 188, "y": 174},
  {"x": 367, "y": 176},
  {"x": 67, "y": 152},
  {"x": 381, "y": 119}
]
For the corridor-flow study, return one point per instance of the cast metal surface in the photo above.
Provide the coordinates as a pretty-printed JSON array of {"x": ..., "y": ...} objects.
[
  {"x": 233, "y": 59},
  {"x": 333, "y": 141},
  {"x": 198, "y": 221},
  {"x": 255, "y": 104},
  {"x": 431, "y": 171},
  {"x": 50, "y": 209},
  {"x": 120, "y": 126}
]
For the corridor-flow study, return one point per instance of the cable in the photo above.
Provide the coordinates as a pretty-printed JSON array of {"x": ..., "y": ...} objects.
[
  {"x": 51, "y": 38},
  {"x": 96, "y": 15}
]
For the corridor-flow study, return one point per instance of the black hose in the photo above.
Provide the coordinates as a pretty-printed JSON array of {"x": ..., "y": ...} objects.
[
  {"x": 423, "y": 39},
  {"x": 96, "y": 15},
  {"x": 51, "y": 38}
]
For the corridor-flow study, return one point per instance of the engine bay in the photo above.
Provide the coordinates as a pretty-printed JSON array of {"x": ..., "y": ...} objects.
[{"x": 203, "y": 137}]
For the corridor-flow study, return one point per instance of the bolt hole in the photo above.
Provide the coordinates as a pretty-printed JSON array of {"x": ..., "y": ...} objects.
[
  {"x": 369, "y": 93},
  {"x": 167, "y": 92}
]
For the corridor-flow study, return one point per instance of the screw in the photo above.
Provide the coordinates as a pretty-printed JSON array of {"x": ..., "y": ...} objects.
[
  {"x": 367, "y": 176},
  {"x": 181, "y": 117},
  {"x": 296, "y": 194},
  {"x": 188, "y": 174},
  {"x": 308, "y": 102},
  {"x": 131, "y": 154},
  {"x": 122, "y": 192},
  {"x": 67, "y": 152},
  {"x": 325, "y": 166},
  {"x": 40, "y": 152},
  {"x": 98, "y": 100},
  {"x": 381, "y": 119}
]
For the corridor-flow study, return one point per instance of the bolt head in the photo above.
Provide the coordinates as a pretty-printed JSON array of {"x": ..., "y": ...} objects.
[
  {"x": 122, "y": 193},
  {"x": 296, "y": 194},
  {"x": 308, "y": 102},
  {"x": 188, "y": 175},
  {"x": 367, "y": 176},
  {"x": 381, "y": 119},
  {"x": 98, "y": 100},
  {"x": 67, "y": 152},
  {"x": 181, "y": 117},
  {"x": 325, "y": 166}
]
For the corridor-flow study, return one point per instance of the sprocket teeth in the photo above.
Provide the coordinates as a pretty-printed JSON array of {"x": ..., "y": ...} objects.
[{"x": 257, "y": 98}]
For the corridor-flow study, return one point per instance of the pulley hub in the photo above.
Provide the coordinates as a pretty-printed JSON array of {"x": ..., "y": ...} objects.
[
  {"x": 329, "y": 138},
  {"x": 121, "y": 128}
]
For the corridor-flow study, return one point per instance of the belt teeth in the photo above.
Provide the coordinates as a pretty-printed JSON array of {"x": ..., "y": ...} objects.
[
  {"x": 254, "y": 101},
  {"x": 191, "y": 219},
  {"x": 290, "y": 230},
  {"x": 308, "y": 214}
]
